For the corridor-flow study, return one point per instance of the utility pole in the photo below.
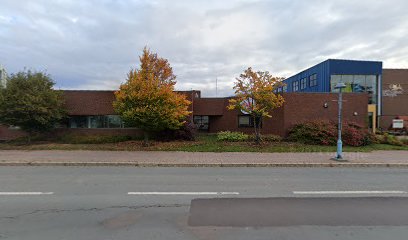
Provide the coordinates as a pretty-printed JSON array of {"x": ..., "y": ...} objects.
[{"x": 216, "y": 87}]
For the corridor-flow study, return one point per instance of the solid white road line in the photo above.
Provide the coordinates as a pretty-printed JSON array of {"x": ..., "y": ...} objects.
[
  {"x": 349, "y": 192},
  {"x": 24, "y": 193},
  {"x": 183, "y": 193}
]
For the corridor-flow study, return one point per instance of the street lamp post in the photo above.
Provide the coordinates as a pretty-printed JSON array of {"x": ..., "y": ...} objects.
[{"x": 339, "y": 154}]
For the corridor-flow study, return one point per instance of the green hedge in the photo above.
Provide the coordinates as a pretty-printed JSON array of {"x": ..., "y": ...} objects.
[
  {"x": 267, "y": 138},
  {"x": 321, "y": 132},
  {"x": 228, "y": 136},
  {"x": 391, "y": 140},
  {"x": 93, "y": 139}
]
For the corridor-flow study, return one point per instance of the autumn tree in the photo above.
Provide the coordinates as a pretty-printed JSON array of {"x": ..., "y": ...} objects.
[
  {"x": 148, "y": 101},
  {"x": 30, "y": 102},
  {"x": 255, "y": 95}
]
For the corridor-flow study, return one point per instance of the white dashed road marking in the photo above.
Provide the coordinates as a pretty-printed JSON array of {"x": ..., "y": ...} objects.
[{"x": 24, "y": 193}]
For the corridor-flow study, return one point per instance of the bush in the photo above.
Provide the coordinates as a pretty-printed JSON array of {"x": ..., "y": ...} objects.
[
  {"x": 271, "y": 138},
  {"x": 391, "y": 140},
  {"x": 187, "y": 132},
  {"x": 267, "y": 138},
  {"x": 228, "y": 136},
  {"x": 321, "y": 132},
  {"x": 356, "y": 135},
  {"x": 93, "y": 139}
]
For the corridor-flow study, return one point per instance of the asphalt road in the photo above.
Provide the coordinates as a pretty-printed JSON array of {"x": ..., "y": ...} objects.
[{"x": 155, "y": 203}]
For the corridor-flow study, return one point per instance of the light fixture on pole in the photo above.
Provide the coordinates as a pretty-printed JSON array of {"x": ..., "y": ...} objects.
[{"x": 339, "y": 154}]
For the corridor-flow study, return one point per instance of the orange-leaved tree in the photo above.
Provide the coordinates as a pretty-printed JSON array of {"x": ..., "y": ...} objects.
[
  {"x": 255, "y": 95},
  {"x": 147, "y": 100}
]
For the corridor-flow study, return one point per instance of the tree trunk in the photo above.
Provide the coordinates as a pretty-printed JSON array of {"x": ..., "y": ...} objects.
[
  {"x": 146, "y": 138},
  {"x": 257, "y": 125},
  {"x": 29, "y": 137}
]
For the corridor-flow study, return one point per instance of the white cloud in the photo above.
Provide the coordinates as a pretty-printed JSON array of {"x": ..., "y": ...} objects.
[{"x": 93, "y": 44}]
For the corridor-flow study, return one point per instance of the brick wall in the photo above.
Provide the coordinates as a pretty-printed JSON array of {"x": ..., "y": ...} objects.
[
  {"x": 97, "y": 131},
  {"x": 301, "y": 107},
  {"x": 298, "y": 107},
  {"x": 7, "y": 134},
  {"x": 395, "y": 106}
]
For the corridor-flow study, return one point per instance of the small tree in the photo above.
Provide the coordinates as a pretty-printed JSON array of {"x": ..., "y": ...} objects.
[
  {"x": 255, "y": 95},
  {"x": 147, "y": 100},
  {"x": 30, "y": 102}
]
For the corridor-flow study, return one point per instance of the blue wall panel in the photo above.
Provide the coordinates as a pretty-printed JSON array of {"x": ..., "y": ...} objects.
[
  {"x": 355, "y": 67},
  {"x": 333, "y": 66}
]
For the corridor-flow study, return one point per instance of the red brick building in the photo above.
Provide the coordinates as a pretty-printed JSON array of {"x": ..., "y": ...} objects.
[
  {"x": 394, "y": 97},
  {"x": 91, "y": 112}
]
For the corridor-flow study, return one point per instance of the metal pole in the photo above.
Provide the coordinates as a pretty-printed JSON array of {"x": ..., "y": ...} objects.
[
  {"x": 216, "y": 87},
  {"x": 339, "y": 155}
]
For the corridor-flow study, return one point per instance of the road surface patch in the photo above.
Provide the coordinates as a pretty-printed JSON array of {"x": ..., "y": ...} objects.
[
  {"x": 327, "y": 211},
  {"x": 348, "y": 192},
  {"x": 183, "y": 193}
]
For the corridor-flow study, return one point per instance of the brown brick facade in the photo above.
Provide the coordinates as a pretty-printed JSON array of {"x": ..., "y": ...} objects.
[
  {"x": 82, "y": 103},
  {"x": 7, "y": 133},
  {"x": 394, "y": 105},
  {"x": 298, "y": 107}
]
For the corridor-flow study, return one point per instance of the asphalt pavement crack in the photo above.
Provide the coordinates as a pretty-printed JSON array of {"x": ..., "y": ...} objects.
[{"x": 52, "y": 211}]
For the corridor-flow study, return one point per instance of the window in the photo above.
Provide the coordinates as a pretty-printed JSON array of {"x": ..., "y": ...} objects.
[
  {"x": 246, "y": 121},
  {"x": 97, "y": 122},
  {"x": 295, "y": 86},
  {"x": 303, "y": 83},
  {"x": 313, "y": 80},
  {"x": 285, "y": 88},
  {"x": 100, "y": 121},
  {"x": 371, "y": 88},
  {"x": 370, "y": 120},
  {"x": 115, "y": 121},
  {"x": 78, "y": 122},
  {"x": 357, "y": 84},
  {"x": 201, "y": 122}
]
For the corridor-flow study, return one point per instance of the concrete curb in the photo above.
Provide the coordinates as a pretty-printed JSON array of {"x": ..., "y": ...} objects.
[{"x": 135, "y": 164}]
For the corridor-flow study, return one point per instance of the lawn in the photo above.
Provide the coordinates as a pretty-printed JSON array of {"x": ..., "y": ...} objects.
[{"x": 204, "y": 143}]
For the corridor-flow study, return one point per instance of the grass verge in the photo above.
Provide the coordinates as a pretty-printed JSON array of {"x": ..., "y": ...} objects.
[{"x": 204, "y": 143}]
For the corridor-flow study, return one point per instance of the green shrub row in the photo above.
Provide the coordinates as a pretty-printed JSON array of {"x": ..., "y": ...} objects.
[
  {"x": 320, "y": 132},
  {"x": 391, "y": 140},
  {"x": 228, "y": 136},
  {"x": 93, "y": 139}
]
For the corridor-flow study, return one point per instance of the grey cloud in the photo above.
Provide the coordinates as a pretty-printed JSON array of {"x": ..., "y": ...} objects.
[{"x": 93, "y": 44}]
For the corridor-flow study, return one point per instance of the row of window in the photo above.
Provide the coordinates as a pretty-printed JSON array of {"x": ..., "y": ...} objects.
[
  {"x": 102, "y": 121},
  {"x": 300, "y": 84},
  {"x": 202, "y": 122},
  {"x": 115, "y": 121}
]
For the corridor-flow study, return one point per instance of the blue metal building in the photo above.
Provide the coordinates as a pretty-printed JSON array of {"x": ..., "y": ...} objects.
[{"x": 359, "y": 76}]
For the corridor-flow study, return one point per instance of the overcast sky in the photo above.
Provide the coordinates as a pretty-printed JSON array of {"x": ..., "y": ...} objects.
[{"x": 92, "y": 44}]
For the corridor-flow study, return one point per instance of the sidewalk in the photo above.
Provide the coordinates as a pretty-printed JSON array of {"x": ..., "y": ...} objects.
[{"x": 199, "y": 159}]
